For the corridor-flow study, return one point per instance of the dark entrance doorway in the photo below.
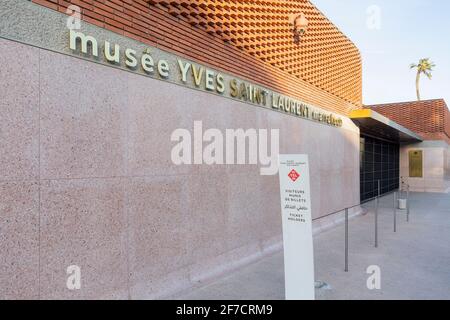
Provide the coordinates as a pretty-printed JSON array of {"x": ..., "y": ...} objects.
[{"x": 379, "y": 161}]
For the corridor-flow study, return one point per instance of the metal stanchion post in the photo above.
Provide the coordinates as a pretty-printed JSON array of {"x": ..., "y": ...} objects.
[
  {"x": 395, "y": 211},
  {"x": 407, "y": 205},
  {"x": 376, "y": 216},
  {"x": 346, "y": 240}
]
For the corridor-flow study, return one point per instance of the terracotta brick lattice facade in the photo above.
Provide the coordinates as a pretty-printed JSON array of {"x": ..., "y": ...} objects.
[
  {"x": 252, "y": 39},
  {"x": 430, "y": 118}
]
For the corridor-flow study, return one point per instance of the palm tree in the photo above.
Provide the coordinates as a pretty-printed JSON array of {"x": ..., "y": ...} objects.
[{"x": 424, "y": 66}]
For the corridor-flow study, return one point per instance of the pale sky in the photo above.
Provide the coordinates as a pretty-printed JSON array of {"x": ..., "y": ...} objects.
[{"x": 408, "y": 30}]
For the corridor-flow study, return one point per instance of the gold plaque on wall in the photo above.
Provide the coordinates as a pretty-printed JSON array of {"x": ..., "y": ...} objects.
[{"x": 416, "y": 164}]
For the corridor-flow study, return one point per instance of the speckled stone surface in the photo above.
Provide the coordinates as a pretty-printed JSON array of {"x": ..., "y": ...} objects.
[
  {"x": 19, "y": 111},
  {"x": 155, "y": 110},
  {"x": 83, "y": 223},
  {"x": 19, "y": 238},
  {"x": 159, "y": 222},
  {"x": 111, "y": 200},
  {"x": 208, "y": 215},
  {"x": 83, "y": 119}
]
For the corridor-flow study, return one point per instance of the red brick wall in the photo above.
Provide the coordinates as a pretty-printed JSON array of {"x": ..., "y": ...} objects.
[
  {"x": 430, "y": 118},
  {"x": 326, "y": 82},
  {"x": 447, "y": 123}
]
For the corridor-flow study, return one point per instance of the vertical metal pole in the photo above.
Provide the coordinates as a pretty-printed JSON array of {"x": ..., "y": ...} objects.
[
  {"x": 379, "y": 188},
  {"x": 407, "y": 205},
  {"x": 346, "y": 240},
  {"x": 395, "y": 211},
  {"x": 376, "y": 216}
]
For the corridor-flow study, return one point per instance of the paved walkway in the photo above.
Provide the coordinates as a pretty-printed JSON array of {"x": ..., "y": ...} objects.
[{"x": 414, "y": 262}]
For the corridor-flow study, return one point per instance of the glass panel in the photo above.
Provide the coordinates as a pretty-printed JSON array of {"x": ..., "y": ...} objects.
[{"x": 379, "y": 162}]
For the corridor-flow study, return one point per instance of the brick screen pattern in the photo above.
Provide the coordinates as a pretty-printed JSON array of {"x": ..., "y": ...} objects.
[
  {"x": 324, "y": 57},
  {"x": 251, "y": 39},
  {"x": 428, "y": 118}
]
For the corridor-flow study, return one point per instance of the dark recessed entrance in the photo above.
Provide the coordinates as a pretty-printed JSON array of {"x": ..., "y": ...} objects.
[
  {"x": 380, "y": 151},
  {"x": 379, "y": 161}
]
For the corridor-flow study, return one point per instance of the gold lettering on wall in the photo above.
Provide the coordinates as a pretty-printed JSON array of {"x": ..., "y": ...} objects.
[{"x": 198, "y": 76}]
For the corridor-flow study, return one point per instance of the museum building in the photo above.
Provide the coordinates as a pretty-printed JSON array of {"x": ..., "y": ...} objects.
[{"x": 88, "y": 109}]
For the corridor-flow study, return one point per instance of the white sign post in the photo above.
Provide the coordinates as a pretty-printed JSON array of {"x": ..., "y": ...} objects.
[{"x": 297, "y": 227}]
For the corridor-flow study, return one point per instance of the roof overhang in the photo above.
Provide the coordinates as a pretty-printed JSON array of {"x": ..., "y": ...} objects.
[{"x": 372, "y": 123}]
